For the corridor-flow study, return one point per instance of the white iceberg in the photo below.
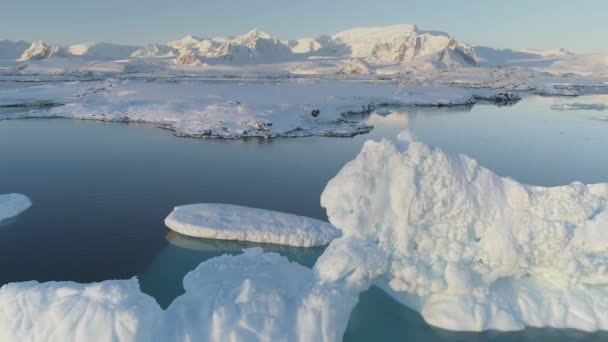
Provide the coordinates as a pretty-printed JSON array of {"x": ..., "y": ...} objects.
[
  {"x": 257, "y": 297},
  {"x": 468, "y": 249},
  {"x": 232, "y": 222},
  {"x": 113, "y": 310},
  {"x": 254, "y": 296},
  {"x": 12, "y": 205}
]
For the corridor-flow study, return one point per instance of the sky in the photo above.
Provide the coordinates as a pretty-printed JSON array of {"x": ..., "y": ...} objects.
[{"x": 579, "y": 26}]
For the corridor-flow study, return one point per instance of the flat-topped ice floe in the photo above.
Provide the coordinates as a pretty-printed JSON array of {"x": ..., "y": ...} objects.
[
  {"x": 254, "y": 296},
  {"x": 466, "y": 248},
  {"x": 12, "y": 205},
  {"x": 579, "y": 106},
  {"x": 231, "y": 222}
]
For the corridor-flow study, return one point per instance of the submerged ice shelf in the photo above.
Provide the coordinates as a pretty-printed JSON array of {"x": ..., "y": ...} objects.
[
  {"x": 12, "y": 205},
  {"x": 232, "y": 222}
]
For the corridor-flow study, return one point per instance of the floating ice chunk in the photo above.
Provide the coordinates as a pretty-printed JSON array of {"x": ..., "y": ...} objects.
[
  {"x": 466, "y": 248},
  {"x": 258, "y": 297},
  {"x": 579, "y": 106},
  {"x": 231, "y": 222},
  {"x": 12, "y": 205},
  {"x": 113, "y": 310},
  {"x": 254, "y": 296}
]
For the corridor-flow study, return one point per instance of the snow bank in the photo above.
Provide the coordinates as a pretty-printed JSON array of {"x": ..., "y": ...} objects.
[
  {"x": 12, "y": 205},
  {"x": 232, "y": 222},
  {"x": 466, "y": 248},
  {"x": 254, "y": 296}
]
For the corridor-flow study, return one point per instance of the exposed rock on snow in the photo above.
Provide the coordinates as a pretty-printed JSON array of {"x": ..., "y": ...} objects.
[
  {"x": 356, "y": 67},
  {"x": 255, "y": 296},
  {"x": 398, "y": 44},
  {"x": 579, "y": 106},
  {"x": 39, "y": 50},
  {"x": 153, "y": 51},
  {"x": 231, "y": 222},
  {"x": 187, "y": 57},
  {"x": 499, "y": 98},
  {"x": 466, "y": 248},
  {"x": 12, "y": 205}
]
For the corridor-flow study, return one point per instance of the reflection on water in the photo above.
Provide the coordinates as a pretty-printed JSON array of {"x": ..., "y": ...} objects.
[{"x": 102, "y": 190}]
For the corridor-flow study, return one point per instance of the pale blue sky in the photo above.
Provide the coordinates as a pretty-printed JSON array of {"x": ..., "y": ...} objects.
[{"x": 580, "y": 26}]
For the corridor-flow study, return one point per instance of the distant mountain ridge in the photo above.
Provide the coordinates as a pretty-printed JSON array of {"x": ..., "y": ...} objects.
[{"x": 359, "y": 50}]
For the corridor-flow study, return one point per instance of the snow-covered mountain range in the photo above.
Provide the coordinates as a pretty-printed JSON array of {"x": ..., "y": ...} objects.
[{"x": 383, "y": 50}]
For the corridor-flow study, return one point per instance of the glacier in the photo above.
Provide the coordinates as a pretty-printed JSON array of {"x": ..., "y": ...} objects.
[
  {"x": 466, "y": 248},
  {"x": 12, "y": 205},
  {"x": 232, "y": 222}
]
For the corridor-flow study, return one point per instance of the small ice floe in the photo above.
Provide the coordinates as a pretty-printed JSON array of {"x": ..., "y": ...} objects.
[
  {"x": 12, "y": 205},
  {"x": 232, "y": 222},
  {"x": 466, "y": 248},
  {"x": 579, "y": 106},
  {"x": 254, "y": 296},
  {"x": 600, "y": 118}
]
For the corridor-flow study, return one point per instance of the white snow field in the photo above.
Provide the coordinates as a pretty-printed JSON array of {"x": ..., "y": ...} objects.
[
  {"x": 466, "y": 248},
  {"x": 254, "y": 296},
  {"x": 233, "y": 222},
  {"x": 12, "y": 205}
]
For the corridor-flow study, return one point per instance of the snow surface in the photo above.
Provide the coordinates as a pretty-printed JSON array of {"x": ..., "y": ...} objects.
[
  {"x": 12, "y": 205},
  {"x": 254, "y": 296},
  {"x": 466, "y": 248},
  {"x": 391, "y": 50},
  {"x": 232, "y": 109},
  {"x": 232, "y": 222}
]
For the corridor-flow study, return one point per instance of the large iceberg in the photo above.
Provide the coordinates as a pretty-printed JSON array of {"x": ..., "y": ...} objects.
[
  {"x": 232, "y": 222},
  {"x": 468, "y": 249},
  {"x": 254, "y": 296},
  {"x": 12, "y": 205}
]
